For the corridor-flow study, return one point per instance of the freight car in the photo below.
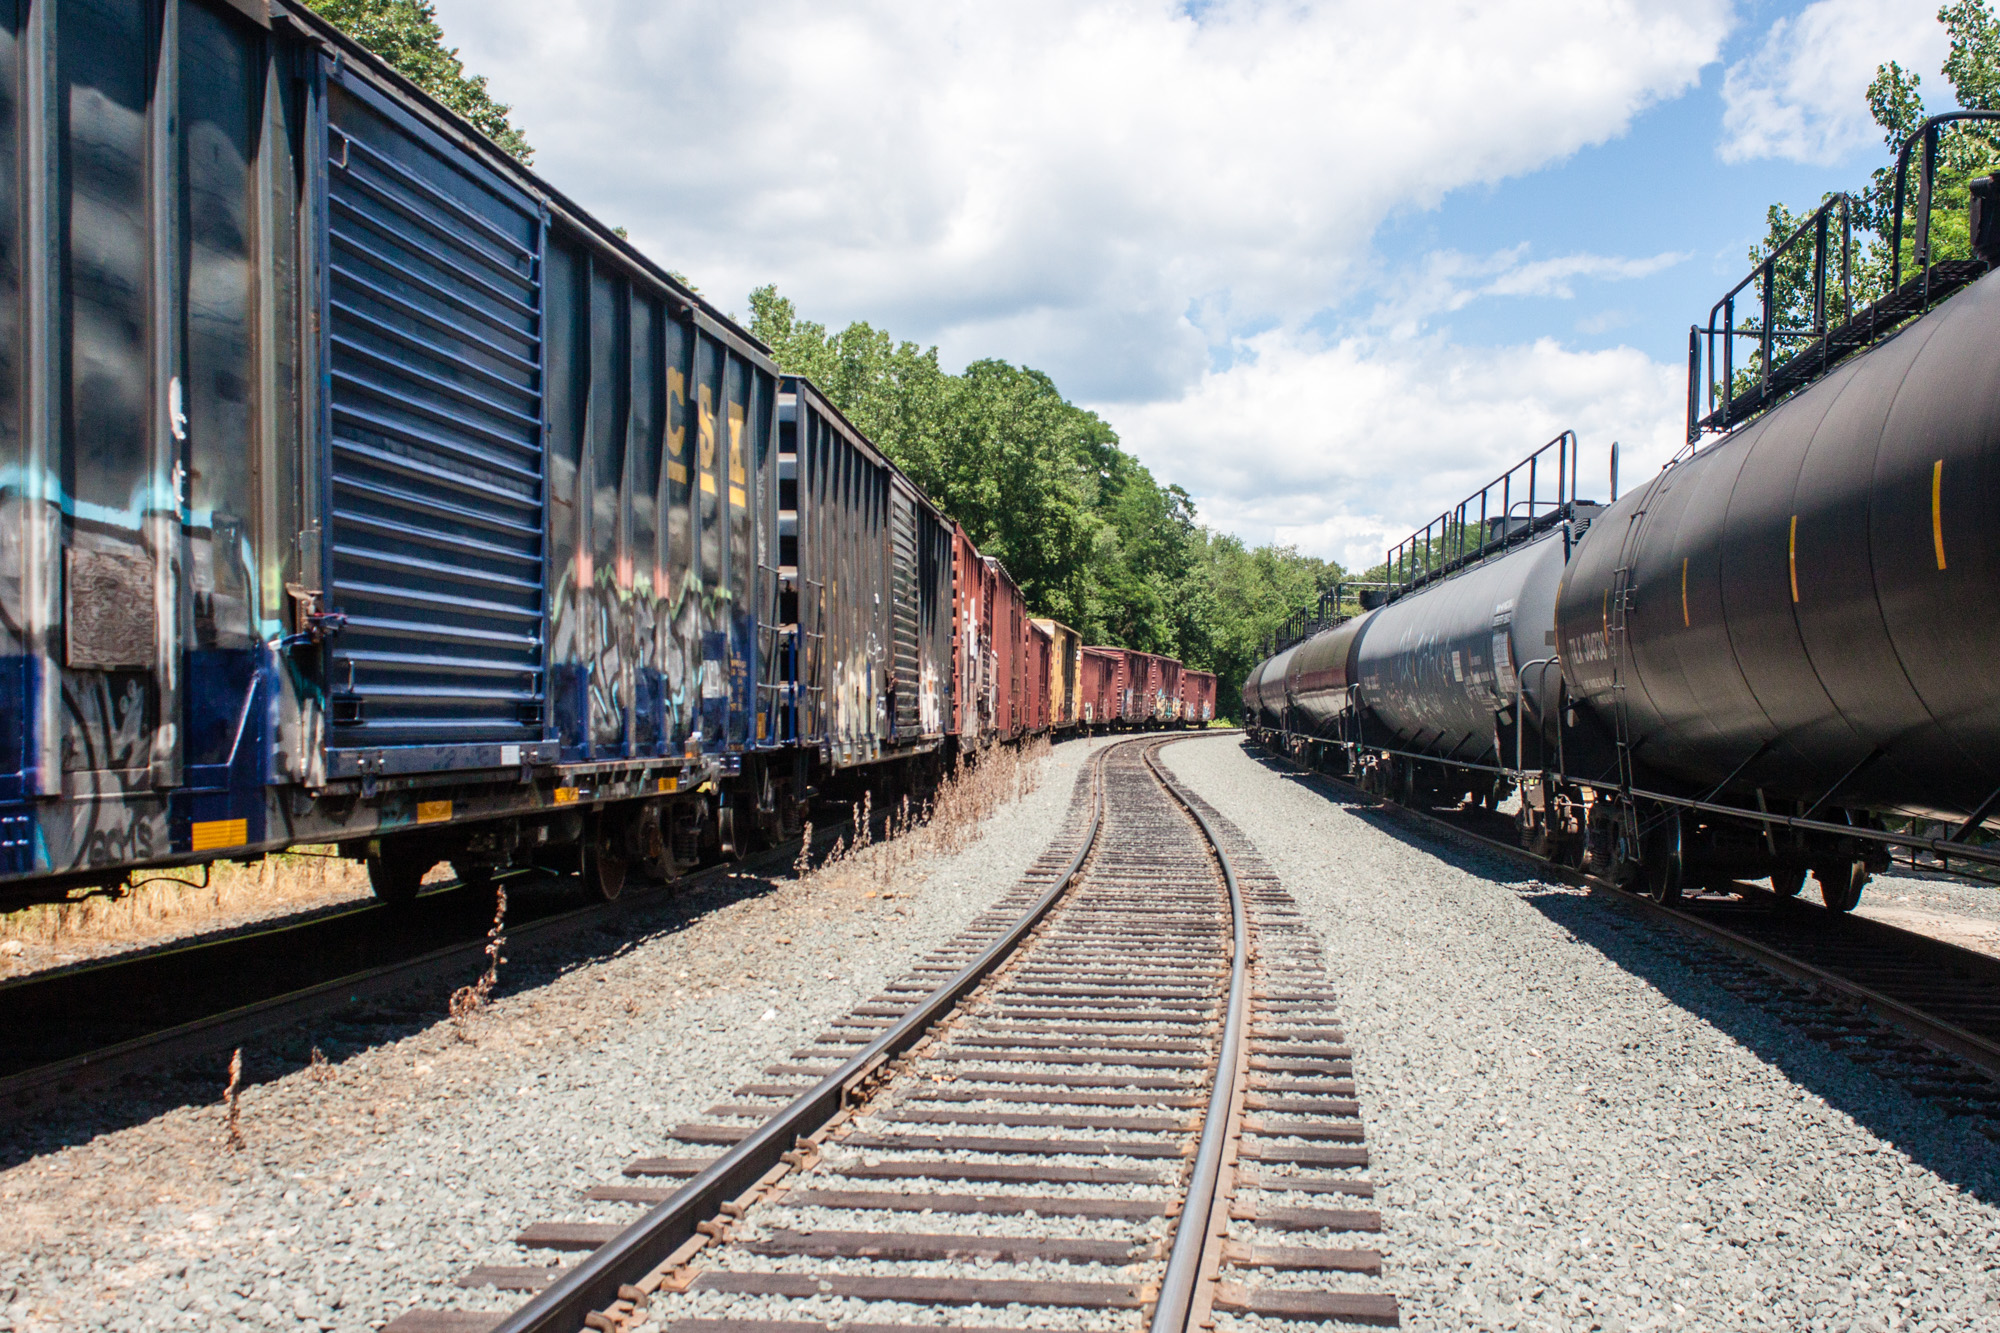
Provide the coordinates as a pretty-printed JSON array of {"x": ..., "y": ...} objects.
[
  {"x": 1167, "y": 692},
  {"x": 1100, "y": 675},
  {"x": 1761, "y": 662},
  {"x": 1065, "y": 666},
  {"x": 360, "y": 488},
  {"x": 1039, "y": 653},
  {"x": 1197, "y": 703},
  {"x": 1006, "y": 627}
]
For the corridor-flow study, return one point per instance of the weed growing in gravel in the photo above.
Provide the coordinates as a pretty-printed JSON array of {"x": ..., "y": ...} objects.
[
  {"x": 469, "y": 1000},
  {"x": 232, "y": 1094},
  {"x": 803, "y": 866},
  {"x": 318, "y": 1069},
  {"x": 947, "y": 823}
]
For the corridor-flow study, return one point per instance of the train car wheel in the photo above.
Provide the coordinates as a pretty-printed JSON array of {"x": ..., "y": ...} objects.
[
  {"x": 1666, "y": 870},
  {"x": 1787, "y": 882},
  {"x": 604, "y": 870},
  {"x": 1840, "y": 885},
  {"x": 482, "y": 880},
  {"x": 396, "y": 872}
]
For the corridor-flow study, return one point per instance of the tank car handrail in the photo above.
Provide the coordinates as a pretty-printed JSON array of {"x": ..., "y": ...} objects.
[
  {"x": 1765, "y": 330},
  {"x": 1454, "y": 523},
  {"x": 1830, "y": 344},
  {"x": 1925, "y": 134}
]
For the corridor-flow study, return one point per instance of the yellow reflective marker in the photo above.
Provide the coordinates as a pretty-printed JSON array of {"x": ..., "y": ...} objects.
[
  {"x": 1937, "y": 510},
  {"x": 668, "y": 786},
  {"x": 209, "y": 834},
  {"x": 1684, "y": 592},
  {"x": 564, "y": 795},
  {"x": 433, "y": 812},
  {"x": 1793, "y": 557}
]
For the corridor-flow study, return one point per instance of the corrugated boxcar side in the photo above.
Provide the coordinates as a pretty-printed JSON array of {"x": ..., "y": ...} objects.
[
  {"x": 1170, "y": 690},
  {"x": 1095, "y": 672},
  {"x": 662, "y": 491},
  {"x": 1135, "y": 687},
  {"x": 150, "y": 500},
  {"x": 1109, "y": 670},
  {"x": 935, "y": 536},
  {"x": 846, "y": 580},
  {"x": 1065, "y": 671},
  {"x": 971, "y": 706},
  {"x": 920, "y": 559},
  {"x": 1040, "y": 653},
  {"x": 1197, "y": 696},
  {"x": 1008, "y": 621},
  {"x": 870, "y": 562}
]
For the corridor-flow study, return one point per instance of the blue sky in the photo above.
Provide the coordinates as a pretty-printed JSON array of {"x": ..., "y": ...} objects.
[
  {"x": 1661, "y": 188},
  {"x": 1328, "y": 266}
]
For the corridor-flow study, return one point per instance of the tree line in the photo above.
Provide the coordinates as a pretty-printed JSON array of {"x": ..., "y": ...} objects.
[{"x": 1091, "y": 536}]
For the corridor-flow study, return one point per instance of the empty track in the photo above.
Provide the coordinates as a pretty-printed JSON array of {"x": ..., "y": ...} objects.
[{"x": 1123, "y": 1093}]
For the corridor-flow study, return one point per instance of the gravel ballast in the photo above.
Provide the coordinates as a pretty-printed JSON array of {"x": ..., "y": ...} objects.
[
  {"x": 1573, "y": 1129},
  {"x": 368, "y": 1185}
]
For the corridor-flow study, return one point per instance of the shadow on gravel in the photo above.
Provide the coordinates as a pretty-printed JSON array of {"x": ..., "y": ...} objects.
[
  {"x": 78, "y": 1116},
  {"x": 1661, "y": 959}
]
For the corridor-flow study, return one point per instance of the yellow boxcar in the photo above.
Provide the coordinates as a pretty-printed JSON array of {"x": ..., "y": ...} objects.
[{"x": 1065, "y": 669}]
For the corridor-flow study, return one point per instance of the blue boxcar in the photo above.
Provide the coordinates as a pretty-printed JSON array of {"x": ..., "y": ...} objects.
[{"x": 360, "y": 488}]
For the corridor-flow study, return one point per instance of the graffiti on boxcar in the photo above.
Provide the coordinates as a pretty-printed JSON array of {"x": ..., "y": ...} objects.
[
  {"x": 930, "y": 697},
  {"x": 608, "y": 678},
  {"x": 106, "y": 760}
]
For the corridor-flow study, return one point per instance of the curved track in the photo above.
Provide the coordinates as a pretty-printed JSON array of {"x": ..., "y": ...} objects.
[{"x": 1101, "y": 1101}]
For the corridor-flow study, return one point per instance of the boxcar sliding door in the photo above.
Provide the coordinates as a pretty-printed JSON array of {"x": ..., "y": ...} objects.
[{"x": 436, "y": 511}]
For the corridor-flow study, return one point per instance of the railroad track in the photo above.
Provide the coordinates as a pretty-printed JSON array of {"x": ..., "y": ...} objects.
[
  {"x": 1122, "y": 1094},
  {"x": 1923, "y": 1013},
  {"x": 84, "y": 1026}
]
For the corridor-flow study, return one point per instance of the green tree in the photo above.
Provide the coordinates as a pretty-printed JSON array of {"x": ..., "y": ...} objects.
[
  {"x": 1966, "y": 150},
  {"x": 1090, "y": 535},
  {"x": 406, "y": 34},
  {"x": 1247, "y": 594}
]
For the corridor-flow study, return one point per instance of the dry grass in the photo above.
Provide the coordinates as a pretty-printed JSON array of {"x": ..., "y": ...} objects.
[
  {"x": 469, "y": 1000},
  {"x": 942, "y": 826},
  {"x": 233, "y": 1095},
  {"x": 164, "y": 907}
]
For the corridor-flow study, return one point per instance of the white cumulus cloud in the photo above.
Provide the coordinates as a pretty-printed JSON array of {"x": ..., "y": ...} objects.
[
  {"x": 1071, "y": 183},
  {"x": 1802, "y": 95},
  {"x": 1343, "y": 447},
  {"x": 1153, "y": 201},
  {"x": 1449, "y": 280}
]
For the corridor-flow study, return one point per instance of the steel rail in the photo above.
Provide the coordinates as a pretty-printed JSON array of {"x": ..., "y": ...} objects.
[
  {"x": 1180, "y": 1283},
  {"x": 564, "y": 1305},
  {"x": 21, "y": 1092},
  {"x": 1968, "y": 1046}
]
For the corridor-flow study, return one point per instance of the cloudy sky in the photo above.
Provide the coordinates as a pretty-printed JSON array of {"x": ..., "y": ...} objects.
[{"x": 1326, "y": 265}]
